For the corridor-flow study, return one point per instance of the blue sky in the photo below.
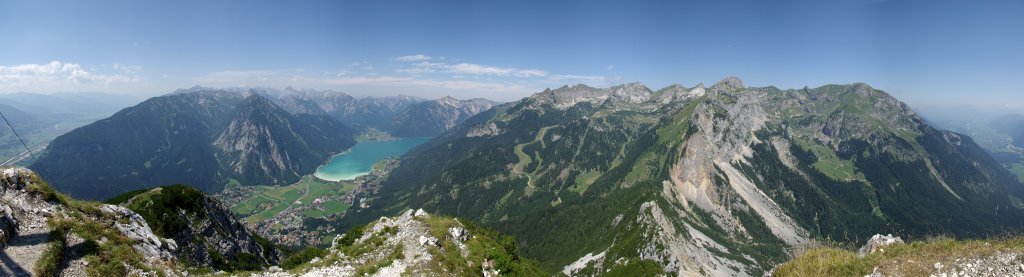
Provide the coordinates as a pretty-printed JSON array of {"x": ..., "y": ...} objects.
[{"x": 924, "y": 52}]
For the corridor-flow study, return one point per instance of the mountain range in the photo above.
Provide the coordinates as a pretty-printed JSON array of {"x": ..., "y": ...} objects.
[
  {"x": 402, "y": 116},
  {"x": 39, "y": 118},
  {"x": 211, "y": 137},
  {"x": 202, "y": 138},
  {"x": 720, "y": 180},
  {"x": 723, "y": 180}
]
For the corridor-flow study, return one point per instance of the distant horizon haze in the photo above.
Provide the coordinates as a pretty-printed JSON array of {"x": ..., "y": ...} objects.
[{"x": 927, "y": 53}]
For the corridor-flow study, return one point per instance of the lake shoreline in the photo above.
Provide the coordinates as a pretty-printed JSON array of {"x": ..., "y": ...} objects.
[{"x": 378, "y": 150}]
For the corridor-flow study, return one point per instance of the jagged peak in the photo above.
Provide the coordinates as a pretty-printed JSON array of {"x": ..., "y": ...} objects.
[
  {"x": 674, "y": 87},
  {"x": 861, "y": 89},
  {"x": 633, "y": 85},
  {"x": 633, "y": 92},
  {"x": 567, "y": 96},
  {"x": 728, "y": 84},
  {"x": 571, "y": 88},
  {"x": 194, "y": 89},
  {"x": 478, "y": 99},
  {"x": 258, "y": 103},
  {"x": 698, "y": 90},
  {"x": 448, "y": 100},
  {"x": 256, "y": 98}
]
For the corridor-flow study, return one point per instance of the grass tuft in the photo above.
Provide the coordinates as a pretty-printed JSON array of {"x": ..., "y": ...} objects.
[
  {"x": 302, "y": 257},
  {"x": 49, "y": 263}
]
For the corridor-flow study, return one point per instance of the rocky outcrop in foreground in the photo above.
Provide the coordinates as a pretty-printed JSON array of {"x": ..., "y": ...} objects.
[
  {"x": 890, "y": 256},
  {"x": 877, "y": 243},
  {"x": 179, "y": 231},
  {"x": 196, "y": 229},
  {"x": 158, "y": 232},
  {"x": 23, "y": 222},
  {"x": 416, "y": 244}
]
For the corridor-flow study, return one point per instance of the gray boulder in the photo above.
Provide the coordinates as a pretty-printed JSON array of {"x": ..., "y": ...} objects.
[{"x": 877, "y": 243}]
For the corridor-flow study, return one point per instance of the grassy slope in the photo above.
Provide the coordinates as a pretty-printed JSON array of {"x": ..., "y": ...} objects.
[
  {"x": 482, "y": 244},
  {"x": 110, "y": 258},
  {"x": 914, "y": 259}
]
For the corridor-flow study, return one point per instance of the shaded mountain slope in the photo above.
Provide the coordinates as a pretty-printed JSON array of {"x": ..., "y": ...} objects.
[{"x": 202, "y": 138}]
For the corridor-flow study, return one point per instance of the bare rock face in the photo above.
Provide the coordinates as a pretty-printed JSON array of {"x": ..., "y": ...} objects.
[
  {"x": 135, "y": 228},
  {"x": 219, "y": 232},
  {"x": 457, "y": 233},
  {"x": 191, "y": 227},
  {"x": 490, "y": 129},
  {"x": 877, "y": 243},
  {"x": 566, "y": 96},
  {"x": 487, "y": 266}
]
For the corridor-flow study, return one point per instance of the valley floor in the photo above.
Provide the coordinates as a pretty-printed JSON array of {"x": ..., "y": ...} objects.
[{"x": 282, "y": 213}]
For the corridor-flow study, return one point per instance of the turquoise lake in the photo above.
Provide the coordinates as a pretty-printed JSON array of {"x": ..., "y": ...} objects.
[{"x": 359, "y": 159}]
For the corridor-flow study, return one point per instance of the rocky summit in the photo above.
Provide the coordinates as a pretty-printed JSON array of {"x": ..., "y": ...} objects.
[{"x": 416, "y": 244}]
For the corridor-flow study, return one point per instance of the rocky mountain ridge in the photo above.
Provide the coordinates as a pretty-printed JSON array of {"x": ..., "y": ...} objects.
[
  {"x": 39, "y": 118},
  {"x": 202, "y": 231},
  {"x": 723, "y": 180},
  {"x": 401, "y": 115},
  {"x": 429, "y": 118}
]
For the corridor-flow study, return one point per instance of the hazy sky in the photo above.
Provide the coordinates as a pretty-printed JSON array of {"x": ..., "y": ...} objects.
[{"x": 924, "y": 52}]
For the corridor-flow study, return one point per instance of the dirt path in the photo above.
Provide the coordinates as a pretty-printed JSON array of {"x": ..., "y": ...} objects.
[{"x": 20, "y": 256}]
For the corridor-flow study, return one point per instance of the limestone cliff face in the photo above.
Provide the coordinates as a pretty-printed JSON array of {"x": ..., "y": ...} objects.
[
  {"x": 263, "y": 144},
  {"x": 723, "y": 180},
  {"x": 204, "y": 232}
]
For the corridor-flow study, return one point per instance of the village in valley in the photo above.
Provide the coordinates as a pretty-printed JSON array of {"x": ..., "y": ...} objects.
[{"x": 300, "y": 214}]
